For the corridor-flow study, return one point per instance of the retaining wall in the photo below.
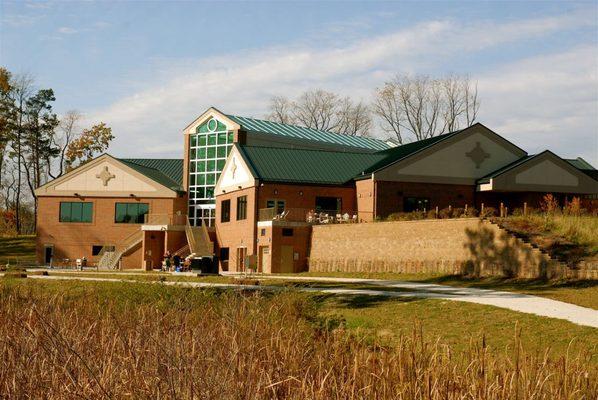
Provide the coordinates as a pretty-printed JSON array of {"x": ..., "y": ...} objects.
[{"x": 450, "y": 246}]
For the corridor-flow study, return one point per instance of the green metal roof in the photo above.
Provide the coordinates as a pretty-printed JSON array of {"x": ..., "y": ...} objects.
[
  {"x": 274, "y": 164},
  {"x": 580, "y": 163},
  {"x": 167, "y": 172},
  {"x": 300, "y": 132}
]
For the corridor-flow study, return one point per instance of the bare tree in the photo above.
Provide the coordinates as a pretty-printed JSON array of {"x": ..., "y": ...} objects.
[
  {"x": 424, "y": 107},
  {"x": 281, "y": 110},
  {"x": 322, "y": 110},
  {"x": 68, "y": 131}
]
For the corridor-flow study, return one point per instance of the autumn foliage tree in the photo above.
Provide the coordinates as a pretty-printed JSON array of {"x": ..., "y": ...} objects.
[{"x": 90, "y": 143}]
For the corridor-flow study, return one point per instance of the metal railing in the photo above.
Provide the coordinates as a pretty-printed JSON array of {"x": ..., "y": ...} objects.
[
  {"x": 311, "y": 216},
  {"x": 165, "y": 219}
]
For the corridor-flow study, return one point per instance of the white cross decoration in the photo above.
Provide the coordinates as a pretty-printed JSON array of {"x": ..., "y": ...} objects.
[{"x": 105, "y": 176}]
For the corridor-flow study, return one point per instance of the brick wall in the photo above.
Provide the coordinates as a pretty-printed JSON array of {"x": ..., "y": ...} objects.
[
  {"x": 442, "y": 246},
  {"x": 390, "y": 195},
  {"x": 75, "y": 240}
]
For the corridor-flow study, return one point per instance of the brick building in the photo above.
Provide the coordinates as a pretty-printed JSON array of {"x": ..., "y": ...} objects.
[{"x": 248, "y": 191}]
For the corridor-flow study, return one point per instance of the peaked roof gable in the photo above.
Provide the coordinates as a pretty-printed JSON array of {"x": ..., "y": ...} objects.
[
  {"x": 144, "y": 180},
  {"x": 404, "y": 152}
]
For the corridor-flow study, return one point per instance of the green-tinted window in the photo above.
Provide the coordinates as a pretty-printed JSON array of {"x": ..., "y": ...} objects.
[
  {"x": 192, "y": 154},
  {"x": 201, "y": 166},
  {"x": 231, "y": 137},
  {"x": 76, "y": 212},
  {"x": 211, "y": 152},
  {"x": 210, "y": 179},
  {"x": 201, "y": 179},
  {"x": 221, "y": 151},
  {"x": 222, "y": 138},
  {"x": 192, "y": 166},
  {"x": 202, "y": 140},
  {"x": 210, "y": 192},
  {"x": 220, "y": 164},
  {"x": 193, "y": 140},
  {"x": 212, "y": 139},
  {"x": 201, "y": 193},
  {"x": 229, "y": 148},
  {"x": 130, "y": 213},
  {"x": 192, "y": 180},
  {"x": 201, "y": 154},
  {"x": 211, "y": 165}
]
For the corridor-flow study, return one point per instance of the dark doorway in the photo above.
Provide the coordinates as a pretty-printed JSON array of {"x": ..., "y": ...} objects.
[{"x": 48, "y": 254}]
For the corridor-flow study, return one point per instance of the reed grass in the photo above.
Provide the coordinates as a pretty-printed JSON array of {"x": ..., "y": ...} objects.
[{"x": 131, "y": 341}]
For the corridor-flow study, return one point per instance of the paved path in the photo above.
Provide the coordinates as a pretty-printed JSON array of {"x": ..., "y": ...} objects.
[{"x": 514, "y": 301}]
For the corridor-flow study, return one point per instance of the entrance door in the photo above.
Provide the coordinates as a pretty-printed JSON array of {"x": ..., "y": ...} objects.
[
  {"x": 286, "y": 259},
  {"x": 48, "y": 254},
  {"x": 264, "y": 261},
  {"x": 241, "y": 253}
]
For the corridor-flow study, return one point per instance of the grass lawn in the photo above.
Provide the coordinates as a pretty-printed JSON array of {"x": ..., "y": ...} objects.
[
  {"x": 19, "y": 250},
  {"x": 457, "y": 324}
]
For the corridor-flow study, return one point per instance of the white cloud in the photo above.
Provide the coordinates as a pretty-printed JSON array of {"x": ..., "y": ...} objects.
[
  {"x": 548, "y": 101},
  {"x": 151, "y": 120},
  {"x": 65, "y": 30}
]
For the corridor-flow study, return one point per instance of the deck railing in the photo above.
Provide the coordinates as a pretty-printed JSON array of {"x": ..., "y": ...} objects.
[
  {"x": 311, "y": 216},
  {"x": 165, "y": 219}
]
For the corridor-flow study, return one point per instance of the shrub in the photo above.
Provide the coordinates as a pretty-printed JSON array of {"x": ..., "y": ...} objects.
[
  {"x": 445, "y": 213},
  {"x": 458, "y": 212},
  {"x": 549, "y": 204},
  {"x": 488, "y": 212},
  {"x": 471, "y": 212},
  {"x": 573, "y": 207}
]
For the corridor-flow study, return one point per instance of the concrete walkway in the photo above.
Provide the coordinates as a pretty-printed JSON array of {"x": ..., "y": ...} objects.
[{"x": 513, "y": 301}]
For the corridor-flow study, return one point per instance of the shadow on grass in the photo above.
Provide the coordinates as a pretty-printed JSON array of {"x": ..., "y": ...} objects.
[
  {"x": 510, "y": 283},
  {"x": 359, "y": 301}
]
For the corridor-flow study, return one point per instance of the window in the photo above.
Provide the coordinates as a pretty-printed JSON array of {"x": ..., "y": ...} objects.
[
  {"x": 241, "y": 208},
  {"x": 278, "y": 204},
  {"x": 224, "y": 254},
  {"x": 287, "y": 231},
  {"x": 330, "y": 204},
  {"x": 130, "y": 213},
  {"x": 76, "y": 212},
  {"x": 262, "y": 232},
  {"x": 225, "y": 211},
  {"x": 97, "y": 249},
  {"x": 416, "y": 204}
]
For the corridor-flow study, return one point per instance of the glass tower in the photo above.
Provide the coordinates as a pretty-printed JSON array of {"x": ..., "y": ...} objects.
[{"x": 208, "y": 148}]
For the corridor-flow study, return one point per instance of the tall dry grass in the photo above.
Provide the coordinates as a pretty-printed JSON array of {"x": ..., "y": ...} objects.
[{"x": 163, "y": 342}]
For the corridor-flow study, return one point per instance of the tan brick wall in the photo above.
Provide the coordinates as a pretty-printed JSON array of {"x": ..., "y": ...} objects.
[
  {"x": 75, "y": 240},
  {"x": 441, "y": 246},
  {"x": 272, "y": 238},
  {"x": 365, "y": 190}
]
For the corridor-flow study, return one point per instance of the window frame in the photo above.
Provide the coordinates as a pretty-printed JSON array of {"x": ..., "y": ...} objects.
[
  {"x": 225, "y": 210},
  {"x": 241, "y": 208},
  {"x": 129, "y": 206},
  {"x": 84, "y": 206}
]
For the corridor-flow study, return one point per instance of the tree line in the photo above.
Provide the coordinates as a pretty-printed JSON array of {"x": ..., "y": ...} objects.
[
  {"x": 37, "y": 145},
  {"x": 406, "y": 107}
]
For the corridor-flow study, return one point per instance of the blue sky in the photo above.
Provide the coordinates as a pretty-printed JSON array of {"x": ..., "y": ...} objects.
[{"x": 149, "y": 68}]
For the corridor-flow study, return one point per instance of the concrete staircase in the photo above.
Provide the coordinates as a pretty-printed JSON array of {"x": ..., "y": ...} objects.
[
  {"x": 199, "y": 241},
  {"x": 109, "y": 259}
]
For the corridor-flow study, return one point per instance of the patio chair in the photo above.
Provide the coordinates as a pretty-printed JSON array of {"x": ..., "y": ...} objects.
[{"x": 346, "y": 217}]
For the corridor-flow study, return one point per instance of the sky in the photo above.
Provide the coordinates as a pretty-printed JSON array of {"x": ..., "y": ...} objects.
[{"x": 148, "y": 68}]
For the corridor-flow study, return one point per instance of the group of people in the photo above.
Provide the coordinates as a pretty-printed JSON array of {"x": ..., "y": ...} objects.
[{"x": 173, "y": 263}]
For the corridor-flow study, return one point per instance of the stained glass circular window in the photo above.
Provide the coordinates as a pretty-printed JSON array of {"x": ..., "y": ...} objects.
[{"x": 212, "y": 125}]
